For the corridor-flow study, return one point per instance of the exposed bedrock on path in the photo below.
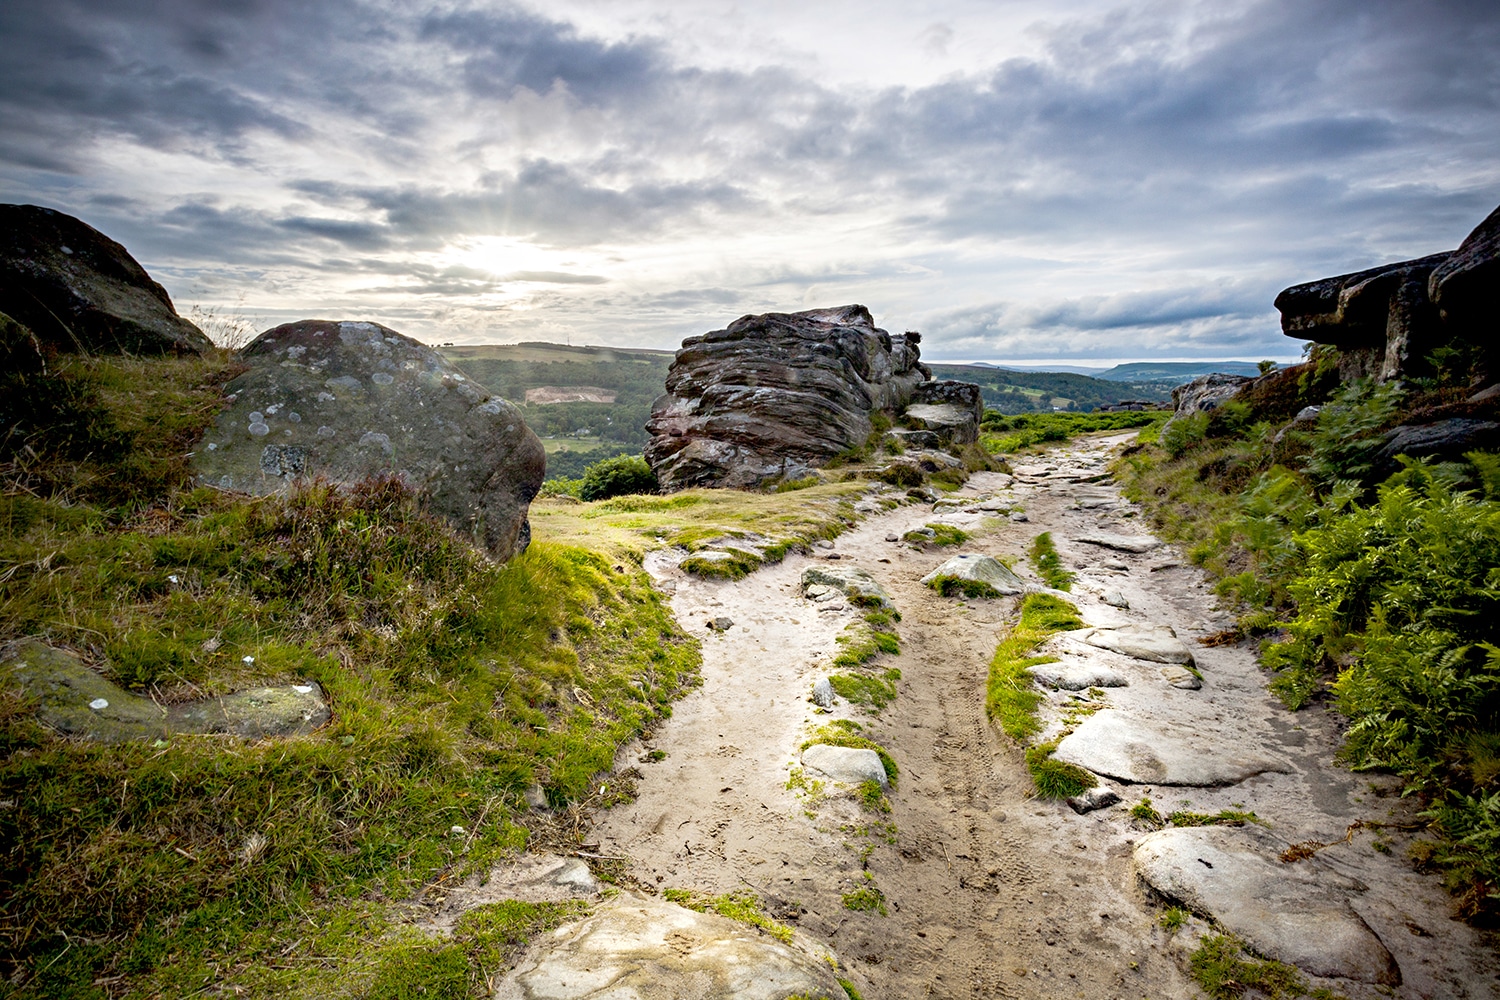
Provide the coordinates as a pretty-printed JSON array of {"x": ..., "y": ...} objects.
[
  {"x": 75, "y": 701},
  {"x": 347, "y": 401},
  {"x": 1294, "y": 913},
  {"x": 79, "y": 290},
  {"x": 1120, "y": 543},
  {"x": 1150, "y": 751},
  {"x": 984, "y": 571},
  {"x": 859, "y": 586},
  {"x": 1070, "y": 675},
  {"x": 640, "y": 948},
  {"x": 770, "y": 396},
  {"x": 1158, "y": 643}
]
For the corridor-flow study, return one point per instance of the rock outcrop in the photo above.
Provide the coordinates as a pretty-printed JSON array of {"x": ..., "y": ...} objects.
[
  {"x": 347, "y": 401},
  {"x": 1204, "y": 394},
  {"x": 770, "y": 396},
  {"x": 1387, "y": 321},
  {"x": 947, "y": 409},
  {"x": 79, "y": 290}
]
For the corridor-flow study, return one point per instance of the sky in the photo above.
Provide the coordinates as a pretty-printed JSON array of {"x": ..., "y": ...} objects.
[{"x": 1082, "y": 182}]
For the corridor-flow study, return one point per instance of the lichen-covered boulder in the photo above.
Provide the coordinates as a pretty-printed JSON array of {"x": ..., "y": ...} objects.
[
  {"x": 347, "y": 401},
  {"x": 974, "y": 576},
  {"x": 770, "y": 396},
  {"x": 79, "y": 290},
  {"x": 949, "y": 409}
]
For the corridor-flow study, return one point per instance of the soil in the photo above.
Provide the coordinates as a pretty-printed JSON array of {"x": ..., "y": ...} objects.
[{"x": 991, "y": 892}]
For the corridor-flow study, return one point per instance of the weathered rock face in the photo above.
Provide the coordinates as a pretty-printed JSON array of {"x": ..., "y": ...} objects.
[
  {"x": 1387, "y": 320},
  {"x": 79, "y": 290},
  {"x": 352, "y": 400},
  {"x": 769, "y": 396},
  {"x": 1204, "y": 393}
]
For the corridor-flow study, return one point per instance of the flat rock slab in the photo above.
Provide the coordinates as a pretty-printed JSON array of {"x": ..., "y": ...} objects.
[
  {"x": 1158, "y": 643},
  {"x": 851, "y": 765},
  {"x": 857, "y": 585},
  {"x": 1121, "y": 543},
  {"x": 1294, "y": 913},
  {"x": 985, "y": 571},
  {"x": 76, "y": 701},
  {"x": 637, "y": 948},
  {"x": 534, "y": 878},
  {"x": 1142, "y": 752},
  {"x": 1181, "y": 677},
  {"x": 1077, "y": 676}
]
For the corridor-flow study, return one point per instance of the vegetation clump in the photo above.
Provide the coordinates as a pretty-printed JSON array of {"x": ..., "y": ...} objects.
[
  {"x": 1048, "y": 564},
  {"x": 940, "y": 535},
  {"x": 1225, "y": 971},
  {"x": 844, "y": 733},
  {"x": 1006, "y": 435},
  {"x": 741, "y": 905},
  {"x": 873, "y": 691},
  {"x": 616, "y": 477},
  {"x": 1375, "y": 580}
]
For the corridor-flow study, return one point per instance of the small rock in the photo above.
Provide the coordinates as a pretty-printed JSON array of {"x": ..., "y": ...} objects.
[
  {"x": 822, "y": 693},
  {"x": 1114, "y": 566},
  {"x": 893, "y": 538},
  {"x": 855, "y": 583},
  {"x": 823, "y": 543},
  {"x": 851, "y": 765},
  {"x": 721, "y": 624},
  {"x": 985, "y": 571},
  {"x": 1181, "y": 677},
  {"x": 1019, "y": 517},
  {"x": 1097, "y": 797},
  {"x": 536, "y": 797},
  {"x": 1115, "y": 599}
]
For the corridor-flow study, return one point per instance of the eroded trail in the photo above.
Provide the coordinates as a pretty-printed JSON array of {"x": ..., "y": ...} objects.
[{"x": 990, "y": 892}]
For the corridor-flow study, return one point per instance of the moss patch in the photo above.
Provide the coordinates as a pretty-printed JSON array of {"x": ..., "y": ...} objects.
[{"x": 741, "y": 905}]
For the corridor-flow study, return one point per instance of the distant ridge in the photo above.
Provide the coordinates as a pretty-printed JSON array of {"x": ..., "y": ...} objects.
[{"x": 1135, "y": 371}]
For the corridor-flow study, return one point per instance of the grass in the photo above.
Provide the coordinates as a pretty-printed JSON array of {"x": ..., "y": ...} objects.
[
  {"x": 1144, "y": 812},
  {"x": 1012, "y": 700},
  {"x": 952, "y": 586},
  {"x": 741, "y": 905},
  {"x": 456, "y": 684},
  {"x": 872, "y": 691},
  {"x": 872, "y": 797},
  {"x": 1002, "y": 435},
  {"x": 862, "y": 641},
  {"x": 1173, "y": 919},
  {"x": 936, "y": 534},
  {"x": 1225, "y": 971},
  {"x": 1048, "y": 564},
  {"x": 866, "y": 899}
]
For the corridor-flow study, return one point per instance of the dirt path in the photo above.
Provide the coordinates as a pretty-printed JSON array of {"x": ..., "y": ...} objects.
[{"x": 990, "y": 893}]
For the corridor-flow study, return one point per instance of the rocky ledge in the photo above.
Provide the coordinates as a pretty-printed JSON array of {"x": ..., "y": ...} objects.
[{"x": 770, "y": 396}]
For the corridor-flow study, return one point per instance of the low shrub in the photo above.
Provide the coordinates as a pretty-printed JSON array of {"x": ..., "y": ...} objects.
[{"x": 616, "y": 477}]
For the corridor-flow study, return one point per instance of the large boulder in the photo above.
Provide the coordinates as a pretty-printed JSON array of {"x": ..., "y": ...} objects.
[
  {"x": 347, "y": 401},
  {"x": 950, "y": 410},
  {"x": 1204, "y": 394},
  {"x": 1387, "y": 321},
  {"x": 79, "y": 290},
  {"x": 770, "y": 396}
]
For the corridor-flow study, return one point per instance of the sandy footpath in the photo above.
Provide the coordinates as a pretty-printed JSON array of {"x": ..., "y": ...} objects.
[{"x": 991, "y": 893}]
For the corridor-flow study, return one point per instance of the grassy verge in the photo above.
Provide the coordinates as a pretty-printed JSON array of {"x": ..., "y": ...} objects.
[
  {"x": 455, "y": 684},
  {"x": 1003, "y": 435},
  {"x": 1012, "y": 699},
  {"x": 1048, "y": 564}
]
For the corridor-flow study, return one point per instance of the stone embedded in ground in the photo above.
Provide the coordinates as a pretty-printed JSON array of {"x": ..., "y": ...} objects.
[
  {"x": 639, "y": 948},
  {"x": 1097, "y": 797},
  {"x": 854, "y": 583},
  {"x": 1019, "y": 517},
  {"x": 1181, "y": 677},
  {"x": 1121, "y": 543},
  {"x": 947, "y": 409},
  {"x": 1158, "y": 643},
  {"x": 79, "y": 290},
  {"x": 914, "y": 439},
  {"x": 976, "y": 569},
  {"x": 1115, "y": 599},
  {"x": 75, "y": 701},
  {"x": 1294, "y": 913},
  {"x": 822, "y": 693},
  {"x": 721, "y": 624},
  {"x": 347, "y": 401},
  {"x": 1073, "y": 676},
  {"x": 851, "y": 765},
  {"x": 1153, "y": 752}
]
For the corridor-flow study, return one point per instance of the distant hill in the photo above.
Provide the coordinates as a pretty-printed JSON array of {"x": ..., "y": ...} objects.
[
  {"x": 1176, "y": 372},
  {"x": 1011, "y": 391}
]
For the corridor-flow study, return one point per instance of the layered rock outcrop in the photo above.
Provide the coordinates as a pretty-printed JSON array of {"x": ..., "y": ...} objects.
[
  {"x": 79, "y": 290},
  {"x": 1387, "y": 321},
  {"x": 770, "y": 396},
  {"x": 347, "y": 401}
]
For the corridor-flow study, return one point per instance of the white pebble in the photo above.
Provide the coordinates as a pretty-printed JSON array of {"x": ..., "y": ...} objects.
[
  {"x": 249, "y": 659},
  {"x": 99, "y": 704},
  {"x": 457, "y": 831},
  {"x": 302, "y": 688}
]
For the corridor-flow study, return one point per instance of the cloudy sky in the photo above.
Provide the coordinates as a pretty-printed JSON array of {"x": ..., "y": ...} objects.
[{"x": 1089, "y": 181}]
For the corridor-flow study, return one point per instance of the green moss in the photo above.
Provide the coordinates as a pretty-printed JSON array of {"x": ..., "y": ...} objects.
[
  {"x": 866, "y": 899},
  {"x": 1048, "y": 563},
  {"x": 1224, "y": 970},
  {"x": 952, "y": 586},
  {"x": 737, "y": 566},
  {"x": 871, "y": 796},
  {"x": 862, "y": 641},
  {"x": 1173, "y": 919},
  {"x": 940, "y": 535},
  {"x": 873, "y": 692},
  {"x": 741, "y": 905}
]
